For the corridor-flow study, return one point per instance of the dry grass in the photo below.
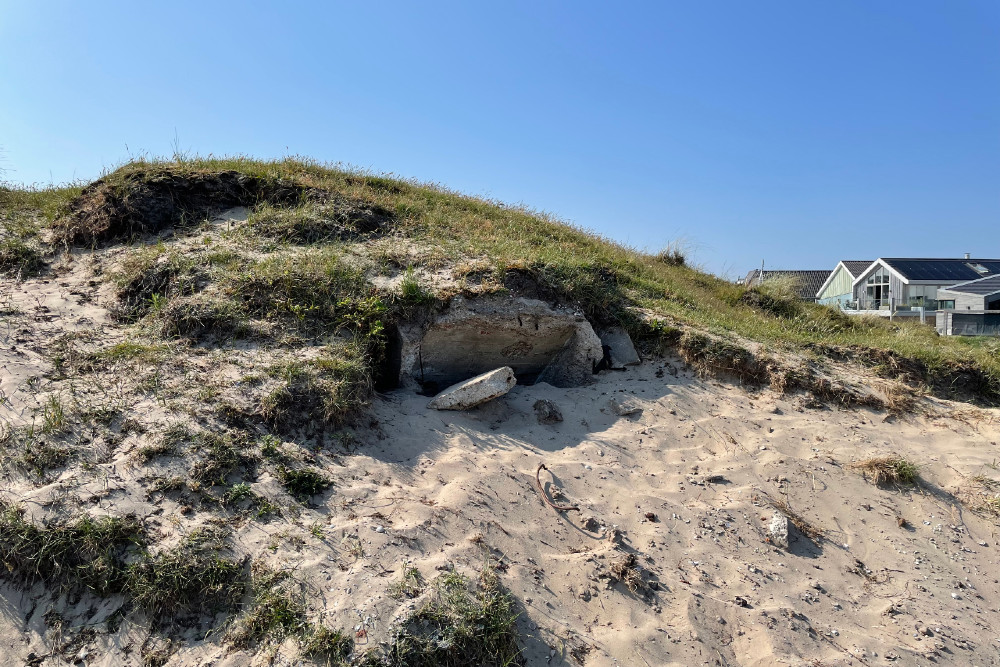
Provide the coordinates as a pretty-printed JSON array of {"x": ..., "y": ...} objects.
[
  {"x": 624, "y": 570},
  {"x": 981, "y": 494},
  {"x": 891, "y": 469},
  {"x": 295, "y": 202},
  {"x": 796, "y": 519}
]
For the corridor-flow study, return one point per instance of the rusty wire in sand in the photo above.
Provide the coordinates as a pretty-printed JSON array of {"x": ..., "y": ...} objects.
[{"x": 541, "y": 492}]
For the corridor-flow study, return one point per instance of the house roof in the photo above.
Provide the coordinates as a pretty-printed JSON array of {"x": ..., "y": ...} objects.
[
  {"x": 911, "y": 268},
  {"x": 809, "y": 281},
  {"x": 982, "y": 286},
  {"x": 856, "y": 266}
]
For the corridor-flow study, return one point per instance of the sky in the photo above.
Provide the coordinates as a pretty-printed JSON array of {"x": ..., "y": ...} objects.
[{"x": 793, "y": 133}]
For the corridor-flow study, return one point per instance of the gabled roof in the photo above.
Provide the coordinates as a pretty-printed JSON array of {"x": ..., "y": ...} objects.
[
  {"x": 809, "y": 281},
  {"x": 854, "y": 268},
  {"x": 983, "y": 286},
  {"x": 945, "y": 270}
]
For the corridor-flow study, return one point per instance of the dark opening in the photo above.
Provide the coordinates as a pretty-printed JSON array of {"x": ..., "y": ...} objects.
[{"x": 388, "y": 369}]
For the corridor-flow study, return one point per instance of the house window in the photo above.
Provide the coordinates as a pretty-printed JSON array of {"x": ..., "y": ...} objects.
[
  {"x": 877, "y": 288},
  {"x": 946, "y": 304}
]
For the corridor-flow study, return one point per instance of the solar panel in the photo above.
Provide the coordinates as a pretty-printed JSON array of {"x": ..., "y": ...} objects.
[{"x": 943, "y": 269}]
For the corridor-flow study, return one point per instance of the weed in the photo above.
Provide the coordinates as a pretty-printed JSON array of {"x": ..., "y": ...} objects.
[
  {"x": 329, "y": 390},
  {"x": 334, "y": 646},
  {"x": 981, "y": 494},
  {"x": 460, "y": 624},
  {"x": 221, "y": 455},
  {"x": 17, "y": 258},
  {"x": 194, "y": 577},
  {"x": 892, "y": 469},
  {"x": 409, "y": 585},
  {"x": 276, "y": 612},
  {"x": 53, "y": 416},
  {"x": 88, "y": 554},
  {"x": 303, "y": 483}
]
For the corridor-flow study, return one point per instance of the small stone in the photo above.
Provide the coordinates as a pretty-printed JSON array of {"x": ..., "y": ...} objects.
[
  {"x": 625, "y": 407},
  {"x": 778, "y": 530},
  {"x": 547, "y": 412},
  {"x": 378, "y": 529}
]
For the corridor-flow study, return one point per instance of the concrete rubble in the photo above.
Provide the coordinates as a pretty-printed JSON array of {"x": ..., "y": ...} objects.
[{"x": 475, "y": 391}]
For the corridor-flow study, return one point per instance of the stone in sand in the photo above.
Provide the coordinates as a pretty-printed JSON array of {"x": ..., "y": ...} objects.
[
  {"x": 547, "y": 412},
  {"x": 475, "y": 391},
  {"x": 622, "y": 350},
  {"x": 778, "y": 530},
  {"x": 625, "y": 407}
]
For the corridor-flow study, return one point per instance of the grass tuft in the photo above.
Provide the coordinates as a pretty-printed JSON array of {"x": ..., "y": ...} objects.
[
  {"x": 304, "y": 483},
  {"x": 460, "y": 624},
  {"x": 892, "y": 469}
]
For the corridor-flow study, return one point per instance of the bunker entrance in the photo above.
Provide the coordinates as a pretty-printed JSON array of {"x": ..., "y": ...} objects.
[{"x": 540, "y": 343}]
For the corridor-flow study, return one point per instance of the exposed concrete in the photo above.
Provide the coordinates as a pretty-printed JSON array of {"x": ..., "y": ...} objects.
[
  {"x": 476, "y": 391},
  {"x": 622, "y": 350},
  {"x": 540, "y": 343}
]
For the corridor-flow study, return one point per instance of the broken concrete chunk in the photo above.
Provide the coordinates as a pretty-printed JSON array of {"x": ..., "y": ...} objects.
[
  {"x": 547, "y": 412},
  {"x": 778, "y": 530},
  {"x": 479, "y": 389},
  {"x": 542, "y": 343},
  {"x": 626, "y": 406},
  {"x": 622, "y": 350}
]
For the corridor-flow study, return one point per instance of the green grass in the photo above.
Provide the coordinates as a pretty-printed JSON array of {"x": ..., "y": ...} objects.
[
  {"x": 19, "y": 258},
  {"x": 303, "y": 483},
  {"x": 276, "y": 612},
  {"x": 84, "y": 555},
  {"x": 410, "y": 584},
  {"x": 461, "y": 623},
  {"x": 195, "y": 577},
  {"x": 318, "y": 289}
]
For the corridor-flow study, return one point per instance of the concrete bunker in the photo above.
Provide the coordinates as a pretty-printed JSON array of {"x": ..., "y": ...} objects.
[{"x": 539, "y": 342}]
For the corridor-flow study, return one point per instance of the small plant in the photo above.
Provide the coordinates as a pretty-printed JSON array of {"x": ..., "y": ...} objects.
[
  {"x": 157, "y": 302},
  {"x": 982, "y": 494},
  {"x": 672, "y": 255},
  {"x": 303, "y": 483},
  {"x": 53, "y": 416},
  {"x": 86, "y": 554},
  {"x": 19, "y": 258},
  {"x": 352, "y": 545},
  {"x": 892, "y": 469},
  {"x": 276, "y": 613},
  {"x": 319, "y": 641},
  {"x": 221, "y": 456},
  {"x": 411, "y": 292},
  {"x": 624, "y": 569},
  {"x": 460, "y": 624},
  {"x": 194, "y": 577},
  {"x": 409, "y": 586}
]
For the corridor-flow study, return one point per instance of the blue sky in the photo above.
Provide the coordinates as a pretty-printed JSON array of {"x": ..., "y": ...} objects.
[{"x": 800, "y": 133}]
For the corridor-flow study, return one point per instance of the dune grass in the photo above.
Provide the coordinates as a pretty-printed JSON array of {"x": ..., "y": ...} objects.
[{"x": 608, "y": 280}]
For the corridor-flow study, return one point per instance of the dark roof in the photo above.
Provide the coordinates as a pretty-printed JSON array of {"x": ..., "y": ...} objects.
[
  {"x": 982, "y": 286},
  {"x": 809, "y": 281},
  {"x": 857, "y": 266},
  {"x": 942, "y": 269}
]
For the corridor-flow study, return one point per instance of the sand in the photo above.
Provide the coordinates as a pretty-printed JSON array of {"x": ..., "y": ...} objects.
[{"x": 687, "y": 486}]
